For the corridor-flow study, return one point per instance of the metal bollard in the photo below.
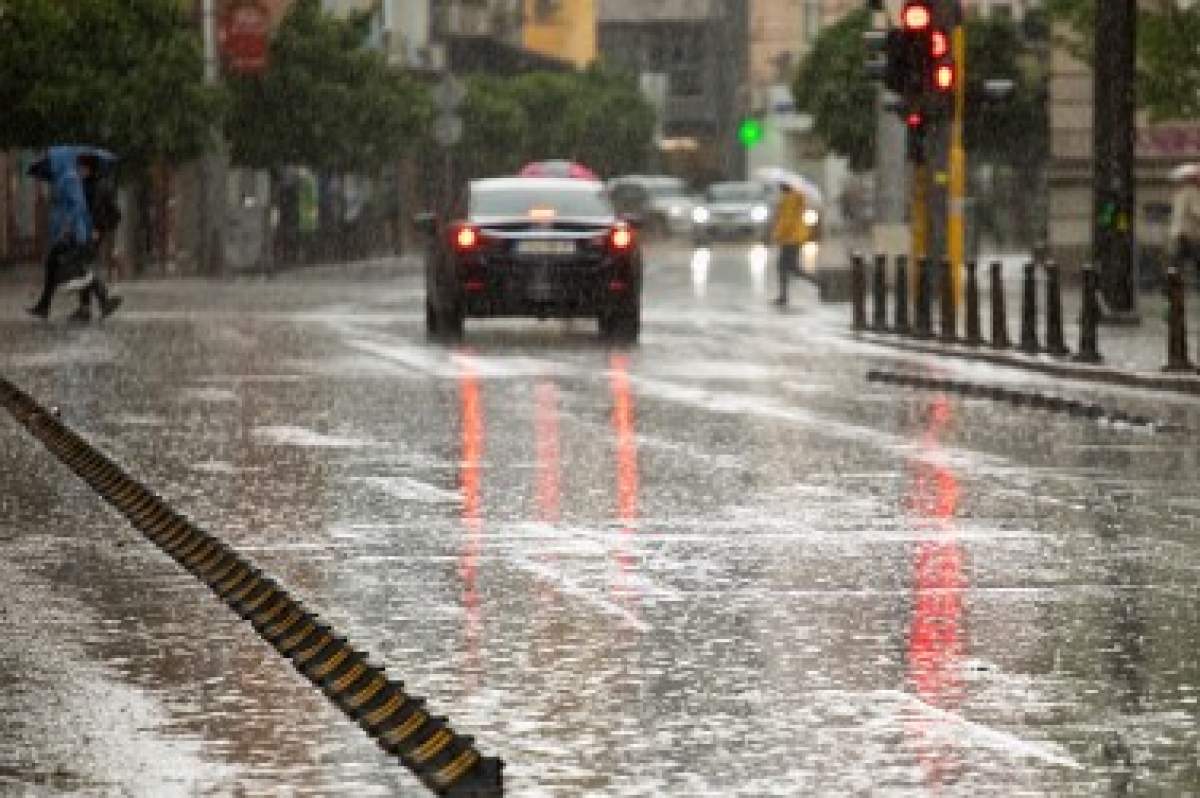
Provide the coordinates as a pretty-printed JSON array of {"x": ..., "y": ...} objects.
[
  {"x": 949, "y": 321},
  {"x": 1055, "y": 342},
  {"x": 973, "y": 336},
  {"x": 1177, "y": 346},
  {"x": 1089, "y": 318},
  {"x": 879, "y": 301},
  {"x": 1000, "y": 339},
  {"x": 1029, "y": 340},
  {"x": 858, "y": 291},
  {"x": 923, "y": 311},
  {"x": 902, "y": 295}
]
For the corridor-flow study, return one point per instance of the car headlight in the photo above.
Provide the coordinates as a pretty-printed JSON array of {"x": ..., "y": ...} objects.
[
  {"x": 811, "y": 217},
  {"x": 700, "y": 215},
  {"x": 759, "y": 213}
]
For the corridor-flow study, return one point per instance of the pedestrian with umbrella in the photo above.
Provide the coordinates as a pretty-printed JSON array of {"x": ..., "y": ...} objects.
[
  {"x": 72, "y": 244},
  {"x": 789, "y": 232}
]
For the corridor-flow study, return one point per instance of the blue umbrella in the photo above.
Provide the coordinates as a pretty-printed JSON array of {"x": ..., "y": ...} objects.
[{"x": 61, "y": 155}]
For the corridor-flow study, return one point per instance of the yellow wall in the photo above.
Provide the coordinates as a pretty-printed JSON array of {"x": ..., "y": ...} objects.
[{"x": 570, "y": 34}]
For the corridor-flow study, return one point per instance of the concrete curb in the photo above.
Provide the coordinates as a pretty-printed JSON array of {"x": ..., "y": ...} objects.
[{"x": 1174, "y": 383}]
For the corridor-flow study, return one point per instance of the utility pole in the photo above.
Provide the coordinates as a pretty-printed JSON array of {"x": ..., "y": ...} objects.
[
  {"x": 956, "y": 234},
  {"x": 891, "y": 195},
  {"x": 212, "y": 164},
  {"x": 1114, "y": 212}
]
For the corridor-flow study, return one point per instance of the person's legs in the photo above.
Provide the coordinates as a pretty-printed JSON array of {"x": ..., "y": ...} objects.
[
  {"x": 42, "y": 306},
  {"x": 786, "y": 264}
]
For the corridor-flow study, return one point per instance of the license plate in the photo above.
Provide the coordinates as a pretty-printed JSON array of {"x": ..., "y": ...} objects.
[{"x": 546, "y": 247}]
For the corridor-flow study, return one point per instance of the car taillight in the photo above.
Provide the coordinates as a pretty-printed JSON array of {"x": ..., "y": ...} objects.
[
  {"x": 466, "y": 238},
  {"x": 621, "y": 239}
]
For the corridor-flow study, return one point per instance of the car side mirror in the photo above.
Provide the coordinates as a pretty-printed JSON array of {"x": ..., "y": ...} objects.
[{"x": 425, "y": 222}]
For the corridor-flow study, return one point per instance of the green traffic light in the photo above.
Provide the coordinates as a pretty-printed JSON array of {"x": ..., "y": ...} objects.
[{"x": 750, "y": 132}]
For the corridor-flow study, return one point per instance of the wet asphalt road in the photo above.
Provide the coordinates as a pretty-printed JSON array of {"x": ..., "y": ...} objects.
[{"x": 720, "y": 563}]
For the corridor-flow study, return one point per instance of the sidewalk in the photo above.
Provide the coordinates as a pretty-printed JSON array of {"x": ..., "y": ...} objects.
[{"x": 1132, "y": 354}]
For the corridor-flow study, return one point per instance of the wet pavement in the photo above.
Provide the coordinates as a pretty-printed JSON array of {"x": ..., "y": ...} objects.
[{"x": 720, "y": 563}]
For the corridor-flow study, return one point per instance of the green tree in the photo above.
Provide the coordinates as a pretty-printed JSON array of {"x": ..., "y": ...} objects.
[
  {"x": 833, "y": 87},
  {"x": 596, "y": 117},
  {"x": 124, "y": 74},
  {"x": 324, "y": 101},
  {"x": 1168, "y": 71}
]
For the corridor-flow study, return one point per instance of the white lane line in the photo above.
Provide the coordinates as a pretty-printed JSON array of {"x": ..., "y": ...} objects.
[
  {"x": 408, "y": 489},
  {"x": 569, "y": 587},
  {"x": 983, "y": 736}
]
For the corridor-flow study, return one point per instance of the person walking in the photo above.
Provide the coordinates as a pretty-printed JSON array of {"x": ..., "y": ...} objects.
[
  {"x": 71, "y": 242},
  {"x": 99, "y": 190},
  {"x": 1185, "y": 220},
  {"x": 789, "y": 233}
]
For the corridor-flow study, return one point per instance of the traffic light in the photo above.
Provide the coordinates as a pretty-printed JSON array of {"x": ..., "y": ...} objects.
[{"x": 750, "y": 132}]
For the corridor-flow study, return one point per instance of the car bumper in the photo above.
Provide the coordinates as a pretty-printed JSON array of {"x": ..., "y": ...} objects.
[{"x": 558, "y": 291}]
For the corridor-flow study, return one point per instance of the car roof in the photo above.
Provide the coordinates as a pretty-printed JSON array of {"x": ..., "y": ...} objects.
[{"x": 537, "y": 183}]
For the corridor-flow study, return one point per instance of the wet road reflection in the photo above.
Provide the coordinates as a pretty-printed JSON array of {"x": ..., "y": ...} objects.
[
  {"x": 936, "y": 643},
  {"x": 471, "y": 419},
  {"x": 719, "y": 563}
]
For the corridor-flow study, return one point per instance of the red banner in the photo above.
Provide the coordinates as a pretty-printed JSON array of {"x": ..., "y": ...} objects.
[
  {"x": 244, "y": 33},
  {"x": 1174, "y": 141}
]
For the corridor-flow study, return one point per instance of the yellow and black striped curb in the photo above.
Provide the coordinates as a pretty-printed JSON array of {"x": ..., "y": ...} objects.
[{"x": 446, "y": 762}]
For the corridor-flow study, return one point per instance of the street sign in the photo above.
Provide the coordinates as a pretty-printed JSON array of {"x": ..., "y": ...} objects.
[
  {"x": 448, "y": 129},
  {"x": 243, "y": 34},
  {"x": 449, "y": 93}
]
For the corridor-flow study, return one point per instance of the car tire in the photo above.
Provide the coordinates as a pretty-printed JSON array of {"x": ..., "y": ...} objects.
[
  {"x": 622, "y": 325},
  {"x": 443, "y": 325}
]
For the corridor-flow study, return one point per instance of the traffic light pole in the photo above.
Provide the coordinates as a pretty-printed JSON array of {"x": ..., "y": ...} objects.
[
  {"x": 1113, "y": 191},
  {"x": 956, "y": 223}
]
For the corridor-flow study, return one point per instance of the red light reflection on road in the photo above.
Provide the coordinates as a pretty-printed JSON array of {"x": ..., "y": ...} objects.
[
  {"x": 471, "y": 420},
  {"x": 936, "y": 644},
  {"x": 624, "y": 424},
  {"x": 549, "y": 456}
]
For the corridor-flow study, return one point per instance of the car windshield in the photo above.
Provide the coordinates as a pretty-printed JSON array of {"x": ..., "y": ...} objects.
[
  {"x": 736, "y": 192},
  {"x": 519, "y": 201}
]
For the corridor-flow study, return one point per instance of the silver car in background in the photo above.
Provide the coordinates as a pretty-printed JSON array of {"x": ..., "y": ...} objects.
[
  {"x": 732, "y": 211},
  {"x": 661, "y": 202}
]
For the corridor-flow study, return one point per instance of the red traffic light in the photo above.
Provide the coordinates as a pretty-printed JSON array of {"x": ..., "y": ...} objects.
[
  {"x": 939, "y": 44},
  {"x": 943, "y": 77},
  {"x": 914, "y": 120},
  {"x": 916, "y": 17}
]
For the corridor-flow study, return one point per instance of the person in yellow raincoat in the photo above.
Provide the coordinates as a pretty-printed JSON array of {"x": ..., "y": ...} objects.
[{"x": 789, "y": 233}]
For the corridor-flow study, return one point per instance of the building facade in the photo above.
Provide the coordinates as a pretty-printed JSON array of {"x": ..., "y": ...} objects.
[
  {"x": 563, "y": 29},
  {"x": 697, "y": 53}
]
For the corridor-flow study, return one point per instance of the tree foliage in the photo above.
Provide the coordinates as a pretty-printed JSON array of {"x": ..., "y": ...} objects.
[
  {"x": 123, "y": 74},
  {"x": 1013, "y": 130},
  {"x": 1168, "y": 51},
  {"x": 595, "y": 117},
  {"x": 324, "y": 101},
  {"x": 832, "y": 85}
]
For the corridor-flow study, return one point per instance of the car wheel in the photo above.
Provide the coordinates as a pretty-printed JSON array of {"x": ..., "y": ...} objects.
[
  {"x": 431, "y": 319},
  {"x": 443, "y": 325},
  {"x": 622, "y": 325}
]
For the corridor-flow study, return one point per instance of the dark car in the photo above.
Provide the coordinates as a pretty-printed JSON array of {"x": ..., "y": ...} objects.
[{"x": 538, "y": 247}]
